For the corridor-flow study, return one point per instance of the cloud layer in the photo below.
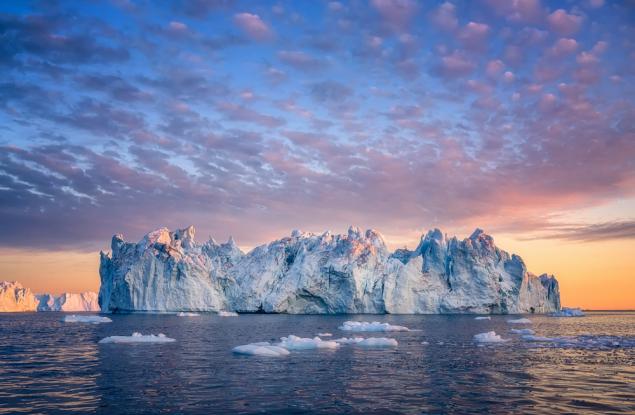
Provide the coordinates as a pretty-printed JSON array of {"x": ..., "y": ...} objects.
[{"x": 250, "y": 120}]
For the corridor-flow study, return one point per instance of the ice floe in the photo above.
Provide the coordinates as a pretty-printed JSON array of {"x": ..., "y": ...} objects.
[
  {"x": 261, "y": 349},
  {"x": 227, "y": 314},
  {"x": 482, "y": 318},
  {"x": 568, "y": 312},
  {"x": 75, "y": 318},
  {"x": 138, "y": 338},
  {"x": 489, "y": 337},
  {"x": 304, "y": 343},
  {"x": 361, "y": 326},
  {"x": 425, "y": 343},
  {"x": 377, "y": 342},
  {"x": 348, "y": 340},
  {"x": 523, "y": 331},
  {"x": 324, "y": 334},
  {"x": 186, "y": 314},
  {"x": 520, "y": 321}
]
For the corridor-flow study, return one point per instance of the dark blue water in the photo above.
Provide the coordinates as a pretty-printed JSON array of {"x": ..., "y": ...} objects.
[{"x": 47, "y": 366}]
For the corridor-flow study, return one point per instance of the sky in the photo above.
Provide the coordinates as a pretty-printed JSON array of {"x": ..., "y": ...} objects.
[{"x": 253, "y": 118}]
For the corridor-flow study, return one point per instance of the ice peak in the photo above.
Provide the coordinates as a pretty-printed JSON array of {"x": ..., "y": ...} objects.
[
  {"x": 296, "y": 233},
  {"x": 479, "y": 236},
  {"x": 354, "y": 232}
]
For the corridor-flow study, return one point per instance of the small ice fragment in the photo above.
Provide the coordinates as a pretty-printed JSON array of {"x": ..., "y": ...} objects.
[
  {"x": 374, "y": 326},
  {"x": 303, "y": 343},
  {"x": 523, "y": 331},
  {"x": 138, "y": 338},
  {"x": 260, "y": 349},
  {"x": 348, "y": 340},
  {"x": 186, "y": 314},
  {"x": 520, "y": 321},
  {"x": 568, "y": 312},
  {"x": 482, "y": 318},
  {"x": 425, "y": 343},
  {"x": 440, "y": 343},
  {"x": 74, "y": 318},
  {"x": 378, "y": 342},
  {"x": 489, "y": 337},
  {"x": 324, "y": 334},
  {"x": 227, "y": 314}
]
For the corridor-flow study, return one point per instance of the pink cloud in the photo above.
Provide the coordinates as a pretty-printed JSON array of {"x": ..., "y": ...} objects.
[
  {"x": 518, "y": 11},
  {"x": 474, "y": 35},
  {"x": 396, "y": 13},
  {"x": 563, "y": 47},
  {"x": 455, "y": 65},
  {"x": 444, "y": 16},
  {"x": 563, "y": 23},
  {"x": 494, "y": 68},
  {"x": 253, "y": 26}
]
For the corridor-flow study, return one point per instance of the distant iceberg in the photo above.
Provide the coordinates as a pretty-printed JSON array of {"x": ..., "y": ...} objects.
[
  {"x": 16, "y": 298},
  {"x": 86, "y": 319},
  {"x": 138, "y": 338},
  {"x": 568, "y": 312},
  {"x": 86, "y": 301}
]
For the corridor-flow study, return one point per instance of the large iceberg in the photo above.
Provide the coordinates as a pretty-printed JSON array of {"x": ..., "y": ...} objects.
[
  {"x": 86, "y": 301},
  {"x": 326, "y": 273},
  {"x": 16, "y": 298}
]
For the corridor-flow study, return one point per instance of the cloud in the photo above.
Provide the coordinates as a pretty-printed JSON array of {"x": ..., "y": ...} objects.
[
  {"x": 605, "y": 231},
  {"x": 397, "y": 14},
  {"x": 301, "y": 60},
  {"x": 563, "y": 23},
  {"x": 330, "y": 91},
  {"x": 253, "y": 26},
  {"x": 455, "y": 65},
  {"x": 444, "y": 17}
]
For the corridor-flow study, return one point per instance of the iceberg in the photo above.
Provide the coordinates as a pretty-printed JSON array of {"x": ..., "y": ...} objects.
[
  {"x": 16, "y": 298},
  {"x": 86, "y": 301},
  {"x": 138, "y": 338},
  {"x": 227, "y": 314},
  {"x": 568, "y": 312},
  {"x": 523, "y": 331},
  {"x": 361, "y": 326},
  {"x": 489, "y": 337},
  {"x": 307, "y": 273},
  {"x": 261, "y": 349},
  {"x": 348, "y": 340},
  {"x": 519, "y": 321},
  {"x": 86, "y": 319}
]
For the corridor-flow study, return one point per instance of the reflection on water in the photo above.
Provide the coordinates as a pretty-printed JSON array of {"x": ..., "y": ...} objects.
[{"x": 49, "y": 366}]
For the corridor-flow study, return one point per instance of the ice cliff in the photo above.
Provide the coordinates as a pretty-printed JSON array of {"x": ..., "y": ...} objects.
[{"x": 325, "y": 273}]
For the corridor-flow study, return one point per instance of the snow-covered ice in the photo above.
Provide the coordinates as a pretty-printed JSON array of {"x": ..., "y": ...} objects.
[
  {"x": 138, "y": 338},
  {"x": 227, "y": 314},
  {"x": 73, "y": 318},
  {"x": 361, "y": 326},
  {"x": 304, "y": 343},
  {"x": 482, "y": 318},
  {"x": 324, "y": 334},
  {"x": 523, "y": 331},
  {"x": 568, "y": 312},
  {"x": 519, "y": 321},
  {"x": 187, "y": 314},
  {"x": 348, "y": 340},
  {"x": 377, "y": 342},
  {"x": 261, "y": 349},
  {"x": 489, "y": 337}
]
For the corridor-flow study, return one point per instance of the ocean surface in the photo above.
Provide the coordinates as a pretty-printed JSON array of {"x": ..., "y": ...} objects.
[{"x": 48, "y": 366}]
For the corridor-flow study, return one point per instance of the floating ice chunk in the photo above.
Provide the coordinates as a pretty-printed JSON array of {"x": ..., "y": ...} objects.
[
  {"x": 482, "y": 318},
  {"x": 531, "y": 338},
  {"x": 523, "y": 331},
  {"x": 374, "y": 326},
  {"x": 378, "y": 342},
  {"x": 425, "y": 343},
  {"x": 520, "y": 321},
  {"x": 568, "y": 312},
  {"x": 261, "y": 349},
  {"x": 304, "y": 343},
  {"x": 186, "y": 314},
  {"x": 348, "y": 340},
  {"x": 489, "y": 337},
  {"x": 324, "y": 334},
  {"x": 138, "y": 338},
  {"x": 74, "y": 318},
  {"x": 227, "y": 314}
]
